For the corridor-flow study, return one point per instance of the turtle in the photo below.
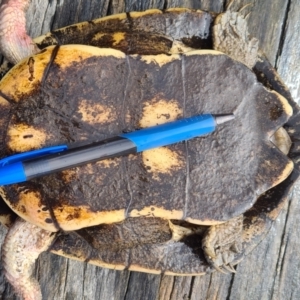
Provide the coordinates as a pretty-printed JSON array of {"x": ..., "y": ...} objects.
[{"x": 146, "y": 212}]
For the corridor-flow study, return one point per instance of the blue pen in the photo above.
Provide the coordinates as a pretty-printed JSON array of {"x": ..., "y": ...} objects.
[{"x": 28, "y": 165}]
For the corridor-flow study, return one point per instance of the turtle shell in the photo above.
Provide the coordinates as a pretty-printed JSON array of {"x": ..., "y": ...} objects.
[
  {"x": 150, "y": 32},
  {"x": 143, "y": 185},
  {"x": 98, "y": 93}
]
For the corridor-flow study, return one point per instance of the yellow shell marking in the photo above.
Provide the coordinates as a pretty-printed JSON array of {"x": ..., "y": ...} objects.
[
  {"x": 162, "y": 160},
  {"x": 77, "y": 53},
  {"x": 138, "y": 14},
  {"x": 286, "y": 172},
  {"x": 73, "y": 218},
  {"x": 159, "y": 111},
  {"x": 102, "y": 264},
  {"x": 108, "y": 163},
  {"x": 159, "y": 212},
  {"x": 25, "y": 76},
  {"x": 117, "y": 37},
  {"x": 138, "y": 268},
  {"x": 3, "y": 102},
  {"x": 160, "y": 59},
  {"x": 30, "y": 208},
  {"x": 69, "y": 175},
  {"x": 96, "y": 113},
  {"x": 155, "y": 112},
  {"x": 287, "y": 108},
  {"x": 203, "y": 52},
  {"x": 22, "y": 138}
]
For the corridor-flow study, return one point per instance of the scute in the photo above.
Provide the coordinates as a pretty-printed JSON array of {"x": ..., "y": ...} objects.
[
  {"x": 137, "y": 244},
  {"x": 162, "y": 27},
  {"x": 101, "y": 93}
]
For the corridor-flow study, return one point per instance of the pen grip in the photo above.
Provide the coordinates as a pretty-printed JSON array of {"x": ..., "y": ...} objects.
[
  {"x": 113, "y": 147},
  {"x": 172, "y": 132}
]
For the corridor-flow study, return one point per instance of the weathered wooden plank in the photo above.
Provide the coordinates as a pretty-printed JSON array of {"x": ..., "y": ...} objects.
[
  {"x": 216, "y": 6},
  {"x": 285, "y": 274},
  {"x": 71, "y": 12},
  {"x": 181, "y": 287},
  {"x": 289, "y": 50},
  {"x": 3, "y": 285},
  {"x": 271, "y": 271},
  {"x": 265, "y": 23},
  {"x": 287, "y": 277},
  {"x": 142, "y": 286},
  {"x": 286, "y": 281},
  {"x": 116, "y": 6}
]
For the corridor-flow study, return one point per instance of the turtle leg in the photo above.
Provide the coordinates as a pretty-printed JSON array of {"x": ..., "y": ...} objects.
[
  {"x": 22, "y": 246},
  {"x": 223, "y": 243},
  {"x": 15, "y": 44},
  {"x": 231, "y": 36}
]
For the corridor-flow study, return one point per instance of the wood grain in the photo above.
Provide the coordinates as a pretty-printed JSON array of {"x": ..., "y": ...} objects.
[{"x": 271, "y": 271}]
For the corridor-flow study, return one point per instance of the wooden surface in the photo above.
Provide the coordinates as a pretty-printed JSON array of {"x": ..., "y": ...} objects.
[{"x": 271, "y": 271}]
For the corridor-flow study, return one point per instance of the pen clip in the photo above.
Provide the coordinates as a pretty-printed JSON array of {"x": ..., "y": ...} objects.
[{"x": 32, "y": 154}]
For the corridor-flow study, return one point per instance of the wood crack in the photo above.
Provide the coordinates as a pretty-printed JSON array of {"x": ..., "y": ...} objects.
[
  {"x": 282, "y": 248},
  {"x": 64, "y": 285},
  {"x": 230, "y": 287},
  {"x": 127, "y": 285},
  {"x": 282, "y": 34},
  {"x": 191, "y": 287}
]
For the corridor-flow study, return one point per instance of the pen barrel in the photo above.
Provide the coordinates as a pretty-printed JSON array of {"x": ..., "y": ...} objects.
[
  {"x": 172, "y": 132},
  {"x": 113, "y": 147}
]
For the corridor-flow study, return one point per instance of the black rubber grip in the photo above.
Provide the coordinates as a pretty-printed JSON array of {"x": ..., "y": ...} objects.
[{"x": 113, "y": 147}]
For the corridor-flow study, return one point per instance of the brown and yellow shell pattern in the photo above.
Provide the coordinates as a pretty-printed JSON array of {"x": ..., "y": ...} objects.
[{"x": 80, "y": 94}]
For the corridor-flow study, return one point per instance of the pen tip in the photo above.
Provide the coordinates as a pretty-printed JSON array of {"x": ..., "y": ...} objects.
[{"x": 220, "y": 119}]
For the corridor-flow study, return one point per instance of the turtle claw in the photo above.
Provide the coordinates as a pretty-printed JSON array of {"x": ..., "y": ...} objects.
[
  {"x": 220, "y": 269},
  {"x": 229, "y": 268},
  {"x": 222, "y": 265},
  {"x": 245, "y": 6},
  {"x": 222, "y": 245},
  {"x": 223, "y": 262},
  {"x": 229, "y": 4},
  {"x": 247, "y": 16}
]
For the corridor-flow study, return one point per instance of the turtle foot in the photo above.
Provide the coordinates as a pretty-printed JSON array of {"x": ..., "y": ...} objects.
[
  {"x": 15, "y": 44},
  {"x": 231, "y": 36},
  {"x": 22, "y": 246},
  {"x": 222, "y": 245}
]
